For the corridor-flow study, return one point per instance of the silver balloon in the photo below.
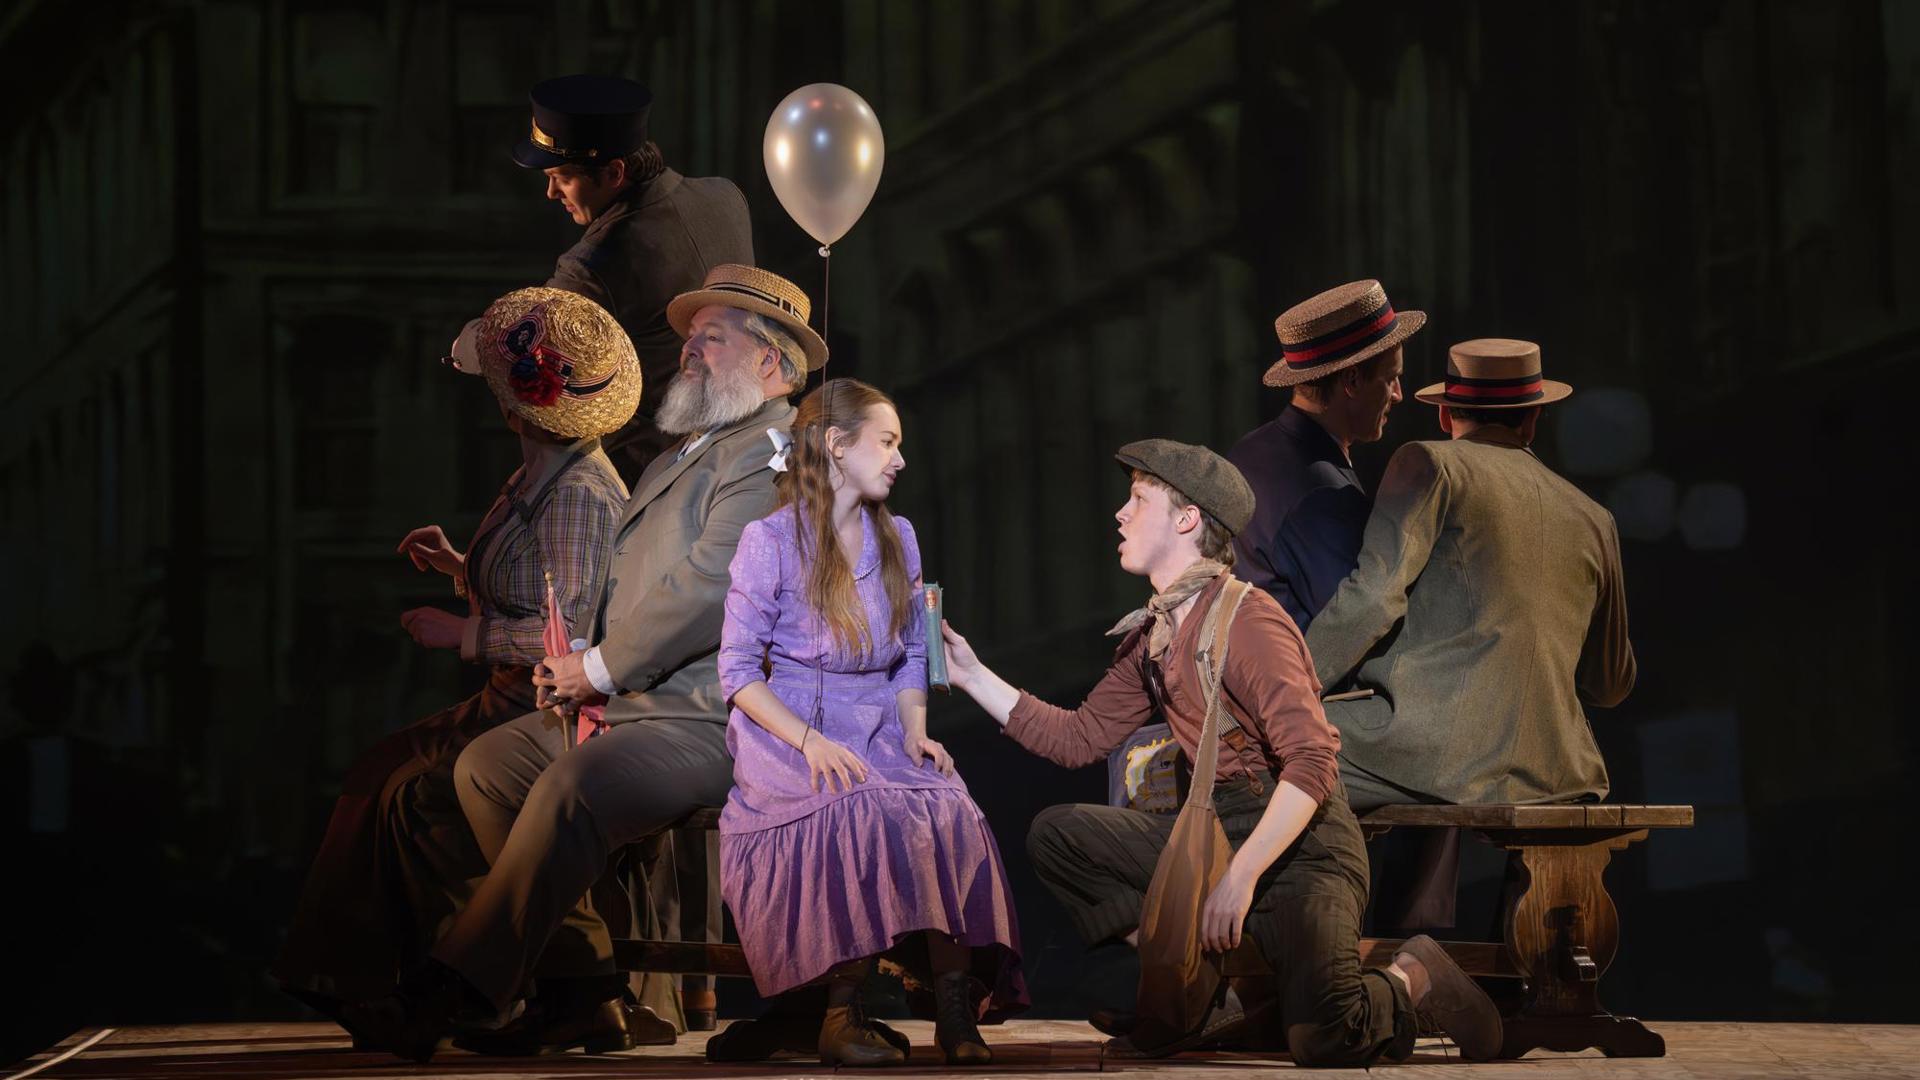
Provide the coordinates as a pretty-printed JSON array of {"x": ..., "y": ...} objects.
[{"x": 824, "y": 151}]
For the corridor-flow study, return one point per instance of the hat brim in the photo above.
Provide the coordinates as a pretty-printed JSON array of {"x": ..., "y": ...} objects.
[
  {"x": 529, "y": 155},
  {"x": 1550, "y": 392},
  {"x": 600, "y": 413},
  {"x": 1129, "y": 463},
  {"x": 575, "y": 418},
  {"x": 681, "y": 309},
  {"x": 1285, "y": 374}
]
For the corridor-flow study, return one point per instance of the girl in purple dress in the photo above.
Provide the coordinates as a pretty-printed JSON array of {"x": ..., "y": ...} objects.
[{"x": 848, "y": 833}]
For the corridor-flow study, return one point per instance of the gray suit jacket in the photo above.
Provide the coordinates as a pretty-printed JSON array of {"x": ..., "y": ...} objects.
[
  {"x": 657, "y": 620},
  {"x": 1487, "y": 603}
]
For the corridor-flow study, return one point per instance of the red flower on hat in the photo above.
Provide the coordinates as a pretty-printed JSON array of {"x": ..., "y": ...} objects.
[{"x": 536, "y": 378}]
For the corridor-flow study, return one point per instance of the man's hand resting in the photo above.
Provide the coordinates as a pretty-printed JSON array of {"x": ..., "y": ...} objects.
[{"x": 565, "y": 677}]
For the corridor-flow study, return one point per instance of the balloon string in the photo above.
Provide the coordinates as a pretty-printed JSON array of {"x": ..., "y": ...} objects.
[{"x": 826, "y": 297}]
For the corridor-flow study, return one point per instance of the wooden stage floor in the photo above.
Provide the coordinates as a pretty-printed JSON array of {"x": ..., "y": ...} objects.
[{"x": 293, "y": 1051}]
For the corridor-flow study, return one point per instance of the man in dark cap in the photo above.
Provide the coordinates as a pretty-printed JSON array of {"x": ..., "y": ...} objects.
[
  {"x": 1298, "y": 878},
  {"x": 651, "y": 233}
]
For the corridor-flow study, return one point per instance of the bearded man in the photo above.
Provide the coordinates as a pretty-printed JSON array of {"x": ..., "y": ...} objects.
[{"x": 547, "y": 806}]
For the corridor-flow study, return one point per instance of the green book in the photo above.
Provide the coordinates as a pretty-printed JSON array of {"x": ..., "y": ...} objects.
[{"x": 932, "y": 611}]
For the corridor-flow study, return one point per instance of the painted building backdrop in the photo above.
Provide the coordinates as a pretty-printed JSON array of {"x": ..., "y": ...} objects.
[{"x": 236, "y": 235}]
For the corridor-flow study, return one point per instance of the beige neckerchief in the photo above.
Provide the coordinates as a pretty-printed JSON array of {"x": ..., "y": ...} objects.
[{"x": 1160, "y": 609}]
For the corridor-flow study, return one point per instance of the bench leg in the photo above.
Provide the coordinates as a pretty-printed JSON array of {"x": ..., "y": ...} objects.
[
  {"x": 1562, "y": 932},
  {"x": 697, "y": 873}
]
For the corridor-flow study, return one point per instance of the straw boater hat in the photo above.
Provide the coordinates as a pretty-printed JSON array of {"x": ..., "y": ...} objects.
[
  {"x": 1338, "y": 329},
  {"x": 752, "y": 289},
  {"x": 1494, "y": 373},
  {"x": 559, "y": 360}
]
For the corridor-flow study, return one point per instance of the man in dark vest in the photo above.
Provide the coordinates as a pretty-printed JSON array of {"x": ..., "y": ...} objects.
[
  {"x": 1341, "y": 353},
  {"x": 652, "y": 233}
]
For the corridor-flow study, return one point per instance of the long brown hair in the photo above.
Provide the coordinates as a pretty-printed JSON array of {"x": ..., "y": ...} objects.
[{"x": 807, "y": 486}]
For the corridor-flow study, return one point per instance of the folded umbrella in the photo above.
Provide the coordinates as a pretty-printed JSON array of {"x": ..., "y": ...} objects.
[{"x": 589, "y": 720}]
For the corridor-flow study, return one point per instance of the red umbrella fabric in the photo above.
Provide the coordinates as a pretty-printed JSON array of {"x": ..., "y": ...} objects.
[{"x": 589, "y": 720}]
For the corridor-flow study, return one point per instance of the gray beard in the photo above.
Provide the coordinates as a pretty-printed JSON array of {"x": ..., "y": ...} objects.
[{"x": 700, "y": 405}]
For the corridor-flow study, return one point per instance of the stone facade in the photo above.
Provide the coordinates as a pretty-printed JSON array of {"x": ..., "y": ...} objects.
[{"x": 235, "y": 235}]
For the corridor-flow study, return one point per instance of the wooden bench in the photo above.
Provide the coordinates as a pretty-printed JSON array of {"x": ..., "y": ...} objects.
[
  {"x": 1559, "y": 927},
  {"x": 683, "y": 957}
]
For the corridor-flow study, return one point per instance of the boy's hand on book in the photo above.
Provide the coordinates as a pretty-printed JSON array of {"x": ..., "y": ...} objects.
[{"x": 962, "y": 664}]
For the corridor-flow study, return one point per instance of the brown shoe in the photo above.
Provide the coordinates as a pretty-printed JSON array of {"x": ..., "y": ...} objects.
[
  {"x": 1455, "y": 1003},
  {"x": 604, "y": 1028},
  {"x": 405, "y": 1027},
  {"x": 762, "y": 1039},
  {"x": 414, "y": 1022},
  {"x": 1117, "y": 1023},
  {"x": 758, "y": 1040},
  {"x": 649, "y": 1028},
  {"x": 846, "y": 1038},
  {"x": 1225, "y": 1023}
]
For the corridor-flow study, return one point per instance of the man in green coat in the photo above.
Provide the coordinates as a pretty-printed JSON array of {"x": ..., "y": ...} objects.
[{"x": 1487, "y": 606}]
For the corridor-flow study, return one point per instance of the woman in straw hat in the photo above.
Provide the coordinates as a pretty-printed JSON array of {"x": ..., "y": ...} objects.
[
  {"x": 397, "y": 853},
  {"x": 848, "y": 834}
]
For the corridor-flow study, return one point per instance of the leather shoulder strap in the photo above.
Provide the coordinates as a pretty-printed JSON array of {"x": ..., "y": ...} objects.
[{"x": 1210, "y": 659}]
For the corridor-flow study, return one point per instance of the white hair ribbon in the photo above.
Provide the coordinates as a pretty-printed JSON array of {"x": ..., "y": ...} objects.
[{"x": 782, "y": 449}]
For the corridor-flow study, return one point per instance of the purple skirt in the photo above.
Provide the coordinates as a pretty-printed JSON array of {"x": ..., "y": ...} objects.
[{"x": 863, "y": 872}]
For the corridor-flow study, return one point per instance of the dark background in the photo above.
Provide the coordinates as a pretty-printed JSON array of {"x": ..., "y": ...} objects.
[{"x": 238, "y": 234}]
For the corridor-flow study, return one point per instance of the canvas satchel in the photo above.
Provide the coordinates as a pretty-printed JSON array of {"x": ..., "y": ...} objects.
[{"x": 1180, "y": 984}]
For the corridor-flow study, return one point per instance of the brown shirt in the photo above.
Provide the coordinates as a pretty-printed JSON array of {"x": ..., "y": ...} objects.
[{"x": 1270, "y": 689}]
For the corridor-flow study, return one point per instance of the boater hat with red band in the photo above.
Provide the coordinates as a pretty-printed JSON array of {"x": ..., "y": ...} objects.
[
  {"x": 1494, "y": 373},
  {"x": 1338, "y": 329}
]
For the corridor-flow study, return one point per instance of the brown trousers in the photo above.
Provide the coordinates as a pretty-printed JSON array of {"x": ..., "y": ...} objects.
[
  {"x": 1099, "y": 860},
  {"x": 548, "y": 816},
  {"x": 397, "y": 860}
]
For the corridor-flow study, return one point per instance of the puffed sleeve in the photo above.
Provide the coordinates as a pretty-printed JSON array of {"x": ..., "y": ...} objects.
[
  {"x": 912, "y": 672},
  {"x": 752, "y": 608}
]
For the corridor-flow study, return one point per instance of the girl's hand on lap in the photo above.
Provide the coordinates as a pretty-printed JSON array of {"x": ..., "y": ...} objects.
[
  {"x": 920, "y": 749},
  {"x": 828, "y": 762}
]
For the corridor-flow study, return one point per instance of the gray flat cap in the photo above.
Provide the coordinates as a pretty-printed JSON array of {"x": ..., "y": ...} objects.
[{"x": 1208, "y": 479}]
